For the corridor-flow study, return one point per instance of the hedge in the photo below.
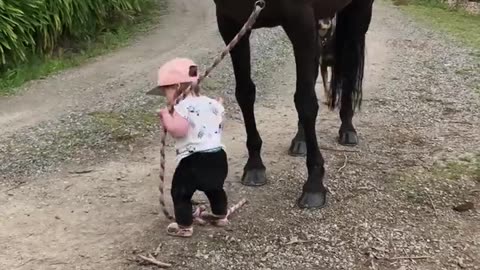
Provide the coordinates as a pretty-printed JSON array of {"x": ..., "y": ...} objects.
[{"x": 37, "y": 26}]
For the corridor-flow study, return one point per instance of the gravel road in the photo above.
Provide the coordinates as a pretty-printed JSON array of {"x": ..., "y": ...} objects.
[{"x": 79, "y": 159}]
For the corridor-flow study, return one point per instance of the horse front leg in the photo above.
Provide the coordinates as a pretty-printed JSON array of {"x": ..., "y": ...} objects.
[
  {"x": 302, "y": 33},
  {"x": 254, "y": 172}
]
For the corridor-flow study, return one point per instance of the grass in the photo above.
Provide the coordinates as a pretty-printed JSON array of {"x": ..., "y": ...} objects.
[
  {"x": 457, "y": 23},
  {"x": 68, "y": 56},
  {"x": 451, "y": 180},
  {"x": 125, "y": 127},
  {"x": 468, "y": 166}
]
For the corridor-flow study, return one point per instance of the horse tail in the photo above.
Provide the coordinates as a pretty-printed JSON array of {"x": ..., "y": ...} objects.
[{"x": 349, "y": 51}]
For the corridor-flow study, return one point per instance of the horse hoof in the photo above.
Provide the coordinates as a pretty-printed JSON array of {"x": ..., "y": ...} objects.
[
  {"x": 312, "y": 200},
  {"x": 348, "y": 138},
  {"x": 298, "y": 148},
  {"x": 254, "y": 177}
]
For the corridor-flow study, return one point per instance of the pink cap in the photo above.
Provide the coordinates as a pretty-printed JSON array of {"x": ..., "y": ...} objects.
[{"x": 175, "y": 71}]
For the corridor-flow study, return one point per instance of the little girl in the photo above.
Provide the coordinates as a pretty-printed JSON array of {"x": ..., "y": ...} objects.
[{"x": 196, "y": 125}]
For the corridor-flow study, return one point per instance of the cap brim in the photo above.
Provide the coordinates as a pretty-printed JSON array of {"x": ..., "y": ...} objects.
[{"x": 156, "y": 91}]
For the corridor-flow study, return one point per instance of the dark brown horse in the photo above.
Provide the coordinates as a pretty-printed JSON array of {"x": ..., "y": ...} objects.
[{"x": 300, "y": 20}]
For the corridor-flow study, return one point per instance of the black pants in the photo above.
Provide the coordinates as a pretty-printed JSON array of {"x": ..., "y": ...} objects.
[{"x": 200, "y": 171}]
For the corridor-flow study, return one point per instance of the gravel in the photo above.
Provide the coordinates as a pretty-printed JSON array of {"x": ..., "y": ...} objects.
[
  {"x": 81, "y": 136},
  {"x": 392, "y": 207},
  {"x": 392, "y": 204}
]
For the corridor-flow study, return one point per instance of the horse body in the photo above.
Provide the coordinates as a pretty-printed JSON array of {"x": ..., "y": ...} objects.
[
  {"x": 301, "y": 21},
  {"x": 274, "y": 13}
]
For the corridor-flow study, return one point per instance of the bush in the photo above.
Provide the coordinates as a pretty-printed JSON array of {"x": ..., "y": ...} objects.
[{"x": 37, "y": 26}]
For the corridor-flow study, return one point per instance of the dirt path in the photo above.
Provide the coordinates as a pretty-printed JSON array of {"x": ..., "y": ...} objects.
[
  {"x": 110, "y": 77},
  {"x": 380, "y": 217}
]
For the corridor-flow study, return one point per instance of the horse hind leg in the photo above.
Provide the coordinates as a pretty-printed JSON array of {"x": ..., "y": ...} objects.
[
  {"x": 298, "y": 147},
  {"x": 325, "y": 33},
  {"x": 348, "y": 70},
  {"x": 326, "y": 88}
]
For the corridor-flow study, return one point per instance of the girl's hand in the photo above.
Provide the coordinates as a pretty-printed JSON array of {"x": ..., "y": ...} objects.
[
  {"x": 162, "y": 113},
  {"x": 176, "y": 125},
  {"x": 220, "y": 100}
]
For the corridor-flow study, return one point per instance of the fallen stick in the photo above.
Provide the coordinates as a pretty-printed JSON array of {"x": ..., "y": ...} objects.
[
  {"x": 203, "y": 216},
  {"x": 81, "y": 172},
  {"x": 344, "y": 163},
  {"x": 298, "y": 241},
  {"x": 154, "y": 261},
  {"x": 407, "y": 258},
  {"x": 431, "y": 202},
  {"x": 157, "y": 250},
  {"x": 15, "y": 187},
  {"x": 236, "y": 206},
  {"x": 338, "y": 150}
]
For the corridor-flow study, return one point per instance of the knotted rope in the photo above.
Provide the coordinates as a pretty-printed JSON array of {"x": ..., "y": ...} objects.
[{"x": 258, "y": 7}]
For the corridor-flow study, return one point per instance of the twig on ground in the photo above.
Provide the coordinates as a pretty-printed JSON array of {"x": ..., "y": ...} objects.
[
  {"x": 365, "y": 188},
  {"x": 355, "y": 236},
  {"x": 460, "y": 122},
  {"x": 372, "y": 264},
  {"x": 154, "y": 261},
  {"x": 81, "y": 172},
  {"x": 408, "y": 258},
  {"x": 157, "y": 250},
  {"x": 370, "y": 188},
  {"x": 378, "y": 238},
  {"x": 330, "y": 191},
  {"x": 15, "y": 187},
  {"x": 390, "y": 242},
  {"x": 344, "y": 162},
  {"x": 338, "y": 150},
  {"x": 431, "y": 202},
  {"x": 372, "y": 257},
  {"x": 295, "y": 240}
]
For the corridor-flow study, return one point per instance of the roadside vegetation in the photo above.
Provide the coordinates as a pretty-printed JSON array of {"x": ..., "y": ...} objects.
[
  {"x": 40, "y": 37},
  {"x": 463, "y": 173},
  {"x": 454, "y": 21}
]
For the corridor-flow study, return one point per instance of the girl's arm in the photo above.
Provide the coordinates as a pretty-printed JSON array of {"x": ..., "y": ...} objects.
[{"x": 175, "y": 124}]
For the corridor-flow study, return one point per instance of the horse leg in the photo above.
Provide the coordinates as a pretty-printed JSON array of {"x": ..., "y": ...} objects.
[
  {"x": 347, "y": 135},
  {"x": 301, "y": 30},
  {"x": 347, "y": 76},
  {"x": 245, "y": 91},
  {"x": 324, "y": 72},
  {"x": 298, "y": 147}
]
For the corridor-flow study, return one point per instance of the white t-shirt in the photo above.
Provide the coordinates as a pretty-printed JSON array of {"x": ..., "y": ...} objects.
[{"x": 205, "y": 118}]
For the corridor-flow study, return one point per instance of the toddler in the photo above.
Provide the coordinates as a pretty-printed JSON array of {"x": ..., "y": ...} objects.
[{"x": 196, "y": 125}]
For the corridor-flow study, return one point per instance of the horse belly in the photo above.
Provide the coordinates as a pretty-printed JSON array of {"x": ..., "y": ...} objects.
[
  {"x": 328, "y": 8},
  {"x": 240, "y": 10}
]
